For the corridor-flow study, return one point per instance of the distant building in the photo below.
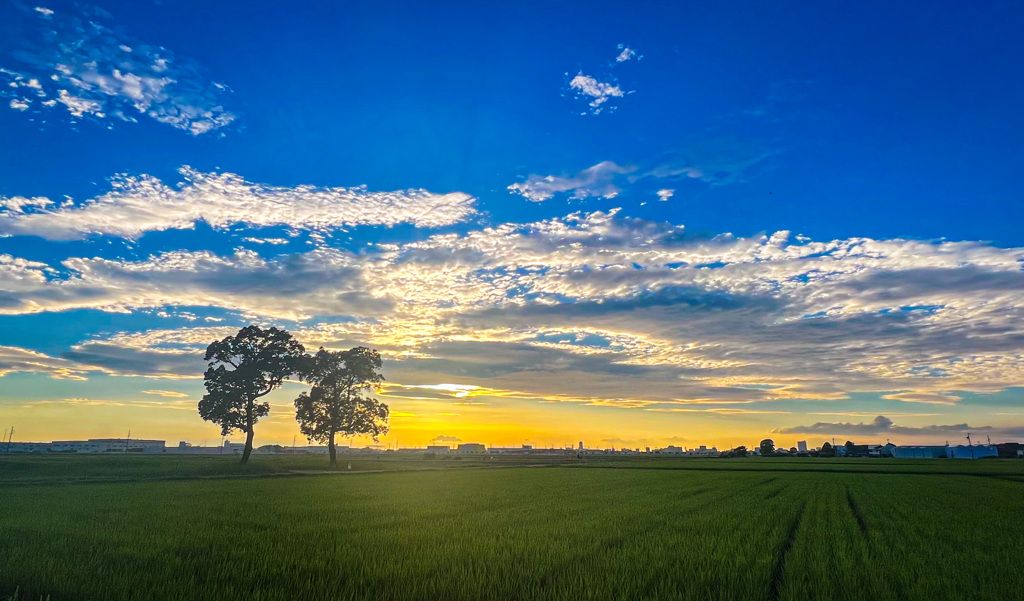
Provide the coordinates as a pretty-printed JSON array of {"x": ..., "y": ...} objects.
[
  {"x": 74, "y": 446},
  {"x": 439, "y": 449},
  {"x": 977, "y": 451},
  {"x": 801, "y": 446},
  {"x": 234, "y": 447},
  {"x": 1010, "y": 449},
  {"x": 108, "y": 445},
  {"x": 523, "y": 450},
  {"x": 670, "y": 450},
  {"x": 185, "y": 448},
  {"x": 945, "y": 452},
  {"x": 25, "y": 447},
  {"x": 581, "y": 446},
  {"x": 920, "y": 452},
  {"x": 313, "y": 450},
  {"x": 857, "y": 450},
  {"x": 703, "y": 451},
  {"x": 471, "y": 448}
]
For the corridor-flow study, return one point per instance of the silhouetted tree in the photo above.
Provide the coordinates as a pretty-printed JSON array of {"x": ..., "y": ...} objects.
[
  {"x": 827, "y": 450},
  {"x": 339, "y": 403},
  {"x": 243, "y": 368},
  {"x": 740, "y": 451},
  {"x": 850, "y": 448},
  {"x": 767, "y": 447}
]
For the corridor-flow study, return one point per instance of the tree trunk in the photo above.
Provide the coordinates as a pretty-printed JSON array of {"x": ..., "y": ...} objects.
[
  {"x": 248, "y": 447},
  {"x": 332, "y": 450}
]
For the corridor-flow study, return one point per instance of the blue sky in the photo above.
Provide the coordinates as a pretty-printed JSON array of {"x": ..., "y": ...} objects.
[{"x": 674, "y": 198}]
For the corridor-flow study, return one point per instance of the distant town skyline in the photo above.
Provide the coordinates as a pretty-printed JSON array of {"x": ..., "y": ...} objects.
[
  {"x": 953, "y": 435},
  {"x": 636, "y": 224}
]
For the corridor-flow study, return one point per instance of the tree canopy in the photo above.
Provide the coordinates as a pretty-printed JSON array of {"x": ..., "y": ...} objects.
[
  {"x": 767, "y": 447},
  {"x": 241, "y": 369},
  {"x": 339, "y": 401}
]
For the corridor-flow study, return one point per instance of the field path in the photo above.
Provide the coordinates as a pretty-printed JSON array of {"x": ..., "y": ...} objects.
[{"x": 779, "y": 571}]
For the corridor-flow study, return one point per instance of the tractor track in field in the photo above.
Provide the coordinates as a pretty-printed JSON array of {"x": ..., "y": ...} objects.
[
  {"x": 615, "y": 543},
  {"x": 775, "y": 492},
  {"x": 1018, "y": 478},
  {"x": 857, "y": 515},
  {"x": 779, "y": 571}
]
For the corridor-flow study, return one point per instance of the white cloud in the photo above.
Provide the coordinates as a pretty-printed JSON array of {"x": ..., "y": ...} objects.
[
  {"x": 19, "y": 204},
  {"x": 97, "y": 71},
  {"x": 166, "y": 393},
  {"x": 931, "y": 398},
  {"x": 19, "y": 104},
  {"x": 443, "y": 438},
  {"x": 80, "y": 106},
  {"x": 596, "y": 181},
  {"x": 271, "y": 241},
  {"x": 14, "y": 359},
  {"x": 608, "y": 304},
  {"x": 717, "y": 163},
  {"x": 137, "y": 205},
  {"x": 626, "y": 53},
  {"x": 599, "y": 92},
  {"x": 882, "y": 425}
]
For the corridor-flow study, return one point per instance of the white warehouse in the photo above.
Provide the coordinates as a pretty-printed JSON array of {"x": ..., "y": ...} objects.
[{"x": 107, "y": 445}]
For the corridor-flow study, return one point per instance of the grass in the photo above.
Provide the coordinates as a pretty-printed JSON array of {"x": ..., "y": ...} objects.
[
  {"x": 661, "y": 529},
  {"x": 22, "y": 470}
]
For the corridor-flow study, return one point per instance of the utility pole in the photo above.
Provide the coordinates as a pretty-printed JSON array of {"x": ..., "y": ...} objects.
[
  {"x": 126, "y": 441},
  {"x": 970, "y": 444},
  {"x": 10, "y": 437}
]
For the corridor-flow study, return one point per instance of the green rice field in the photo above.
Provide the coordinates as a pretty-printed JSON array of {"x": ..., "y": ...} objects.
[{"x": 201, "y": 528}]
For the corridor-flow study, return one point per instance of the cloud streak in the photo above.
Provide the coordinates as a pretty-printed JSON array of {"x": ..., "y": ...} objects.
[
  {"x": 140, "y": 204},
  {"x": 882, "y": 425},
  {"x": 715, "y": 163},
  {"x": 597, "y": 182}
]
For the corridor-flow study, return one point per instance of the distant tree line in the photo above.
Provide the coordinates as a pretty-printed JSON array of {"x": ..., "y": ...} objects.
[
  {"x": 767, "y": 449},
  {"x": 247, "y": 366}
]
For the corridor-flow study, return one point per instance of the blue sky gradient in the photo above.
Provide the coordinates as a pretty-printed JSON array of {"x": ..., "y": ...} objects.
[{"x": 762, "y": 216}]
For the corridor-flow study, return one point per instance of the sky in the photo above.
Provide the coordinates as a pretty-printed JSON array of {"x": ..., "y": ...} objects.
[{"x": 628, "y": 224}]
